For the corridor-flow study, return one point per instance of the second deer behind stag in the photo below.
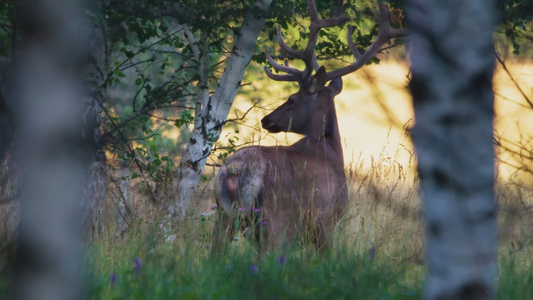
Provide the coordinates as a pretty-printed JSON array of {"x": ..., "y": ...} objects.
[{"x": 283, "y": 192}]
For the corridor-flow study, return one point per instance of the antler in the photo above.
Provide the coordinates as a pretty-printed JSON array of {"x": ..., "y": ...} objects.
[
  {"x": 386, "y": 33},
  {"x": 308, "y": 55}
]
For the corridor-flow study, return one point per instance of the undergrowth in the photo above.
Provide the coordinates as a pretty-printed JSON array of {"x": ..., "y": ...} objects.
[
  {"x": 152, "y": 267},
  {"x": 145, "y": 264}
]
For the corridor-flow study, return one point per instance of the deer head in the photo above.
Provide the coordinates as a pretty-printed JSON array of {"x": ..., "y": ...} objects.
[{"x": 310, "y": 111}]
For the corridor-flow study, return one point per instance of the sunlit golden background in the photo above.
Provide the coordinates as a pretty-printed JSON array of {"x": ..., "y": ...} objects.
[{"x": 375, "y": 112}]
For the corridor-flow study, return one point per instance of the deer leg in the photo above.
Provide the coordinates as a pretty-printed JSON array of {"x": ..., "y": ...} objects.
[
  {"x": 323, "y": 236},
  {"x": 223, "y": 231}
]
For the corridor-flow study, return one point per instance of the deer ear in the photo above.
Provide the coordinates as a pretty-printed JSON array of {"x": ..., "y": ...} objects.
[
  {"x": 318, "y": 80},
  {"x": 336, "y": 85}
]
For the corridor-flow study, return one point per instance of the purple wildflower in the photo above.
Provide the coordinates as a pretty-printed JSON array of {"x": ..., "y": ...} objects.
[
  {"x": 372, "y": 252},
  {"x": 137, "y": 265},
  {"x": 113, "y": 278},
  {"x": 256, "y": 210},
  {"x": 254, "y": 269},
  {"x": 214, "y": 207},
  {"x": 264, "y": 223},
  {"x": 242, "y": 209},
  {"x": 207, "y": 246},
  {"x": 281, "y": 260}
]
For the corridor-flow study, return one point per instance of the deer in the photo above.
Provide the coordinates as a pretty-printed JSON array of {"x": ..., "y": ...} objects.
[{"x": 275, "y": 194}]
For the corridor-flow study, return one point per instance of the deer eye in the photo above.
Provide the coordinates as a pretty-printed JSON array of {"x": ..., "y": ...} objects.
[{"x": 291, "y": 101}]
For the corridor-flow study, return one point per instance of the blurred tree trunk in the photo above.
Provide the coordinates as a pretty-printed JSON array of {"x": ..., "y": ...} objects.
[
  {"x": 212, "y": 111},
  {"x": 47, "y": 110},
  {"x": 452, "y": 66}
]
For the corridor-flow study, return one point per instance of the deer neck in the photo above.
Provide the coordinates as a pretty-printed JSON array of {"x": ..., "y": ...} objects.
[{"x": 325, "y": 128}]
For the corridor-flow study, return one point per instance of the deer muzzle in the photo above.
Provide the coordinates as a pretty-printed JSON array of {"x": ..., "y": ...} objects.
[{"x": 270, "y": 125}]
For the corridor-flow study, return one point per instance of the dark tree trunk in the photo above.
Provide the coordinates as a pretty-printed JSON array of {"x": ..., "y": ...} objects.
[{"x": 452, "y": 67}]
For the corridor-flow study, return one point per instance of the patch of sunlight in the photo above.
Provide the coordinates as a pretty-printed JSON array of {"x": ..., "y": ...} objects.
[{"x": 514, "y": 116}]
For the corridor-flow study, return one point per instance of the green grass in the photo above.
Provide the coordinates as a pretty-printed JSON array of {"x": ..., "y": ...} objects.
[
  {"x": 516, "y": 276},
  {"x": 188, "y": 270}
]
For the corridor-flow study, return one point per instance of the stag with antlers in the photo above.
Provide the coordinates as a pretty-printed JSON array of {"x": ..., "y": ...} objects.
[{"x": 283, "y": 192}]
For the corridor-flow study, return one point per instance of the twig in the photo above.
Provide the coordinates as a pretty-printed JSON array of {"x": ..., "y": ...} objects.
[
  {"x": 513, "y": 80},
  {"x": 125, "y": 141}
]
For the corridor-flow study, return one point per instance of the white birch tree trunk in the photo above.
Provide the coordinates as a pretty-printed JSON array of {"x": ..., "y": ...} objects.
[
  {"x": 452, "y": 66},
  {"x": 214, "y": 112},
  {"x": 48, "y": 105}
]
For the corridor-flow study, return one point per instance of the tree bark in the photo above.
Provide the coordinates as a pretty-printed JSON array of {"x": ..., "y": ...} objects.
[
  {"x": 452, "y": 66},
  {"x": 95, "y": 191},
  {"x": 214, "y": 112},
  {"x": 48, "y": 100}
]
